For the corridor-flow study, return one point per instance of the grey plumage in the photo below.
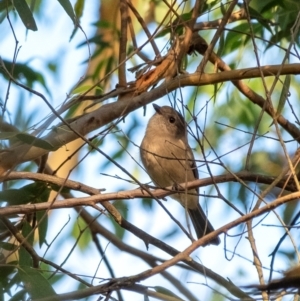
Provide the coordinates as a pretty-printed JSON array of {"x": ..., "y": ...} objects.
[{"x": 169, "y": 160}]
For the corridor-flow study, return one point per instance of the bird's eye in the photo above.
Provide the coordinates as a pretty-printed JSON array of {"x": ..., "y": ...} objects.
[{"x": 171, "y": 119}]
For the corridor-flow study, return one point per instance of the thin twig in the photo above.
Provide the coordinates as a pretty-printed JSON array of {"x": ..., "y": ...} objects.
[{"x": 123, "y": 43}]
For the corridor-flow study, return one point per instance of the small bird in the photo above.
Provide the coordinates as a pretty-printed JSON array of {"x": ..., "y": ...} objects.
[{"x": 169, "y": 161}]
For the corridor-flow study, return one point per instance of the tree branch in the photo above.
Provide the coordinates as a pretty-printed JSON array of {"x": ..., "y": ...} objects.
[
  {"x": 61, "y": 135},
  {"x": 127, "y": 194}
]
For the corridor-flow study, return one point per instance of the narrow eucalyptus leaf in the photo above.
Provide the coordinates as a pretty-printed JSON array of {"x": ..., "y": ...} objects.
[
  {"x": 31, "y": 140},
  {"x": 25, "y": 14}
]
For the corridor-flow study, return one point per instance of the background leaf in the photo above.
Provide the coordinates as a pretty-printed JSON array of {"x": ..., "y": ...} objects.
[{"x": 25, "y": 14}]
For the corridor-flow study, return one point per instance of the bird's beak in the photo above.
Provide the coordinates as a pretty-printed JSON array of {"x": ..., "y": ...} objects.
[{"x": 156, "y": 108}]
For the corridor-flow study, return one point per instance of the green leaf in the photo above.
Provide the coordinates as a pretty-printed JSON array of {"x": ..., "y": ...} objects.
[
  {"x": 284, "y": 94},
  {"x": 84, "y": 88},
  {"x": 254, "y": 14},
  {"x": 55, "y": 277},
  {"x": 239, "y": 36},
  {"x": 263, "y": 6},
  {"x": 7, "y": 272},
  {"x": 123, "y": 209},
  {"x": 42, "y": 216},
  {"x": 25, "y": 258},
  {"x": 58, "y": 188},
  {"x": 207, "y": 6},
  {"x": 7, "y": 135},
  {"x": 176, "y": 26},
  {"x": 32, "y": 193},
  {"x": 7, "y": 246},
  {"x": 42, "y": 219},
  {"x": 25, "y": 14},
  {"x": 103, "y": 24},
  {"x": 5, "y": 5},
  {"x": 147, "y": 203},
  {"x": 31, "y": 140},
  {"x": 15, "y": 196},
  {"x": 79, "y": 6},
  {"x": 85, "y": 236},
  {"x": 289, "y": 211},
  {"x": 21, "y": 295},
  {"x": 35, "y": 284},
  {"x": 41, "y": 194},
  {"x": 22, "y": 71},
  {"x": 276, "y": 38},
  {"x": 163, "y": 290},
  {"x": 98, "y": 40},
  {"x": 233, "y": 38},
  {"x": 67, "y": 6},
  {"x": 222, "y": 8}
]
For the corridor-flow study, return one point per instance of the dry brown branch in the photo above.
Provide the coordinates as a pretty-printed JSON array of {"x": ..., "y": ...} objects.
[
  {"x": 116, "y": 284},
  {"x": 235, "y": 16},
  {"x": 128, "y": 194},
  {"x": 62, "y": 135},
  {"x": 123, "y": 43},
  {"x": 216, "y": 37}
]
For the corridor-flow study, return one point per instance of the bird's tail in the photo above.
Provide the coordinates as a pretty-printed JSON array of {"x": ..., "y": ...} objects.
[{"x": 201, "y": 224}]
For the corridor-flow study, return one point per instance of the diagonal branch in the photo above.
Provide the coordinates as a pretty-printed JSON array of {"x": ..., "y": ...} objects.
[
  {"x": 61, "y": 135},
  {"x": 126, "y": 282}
]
